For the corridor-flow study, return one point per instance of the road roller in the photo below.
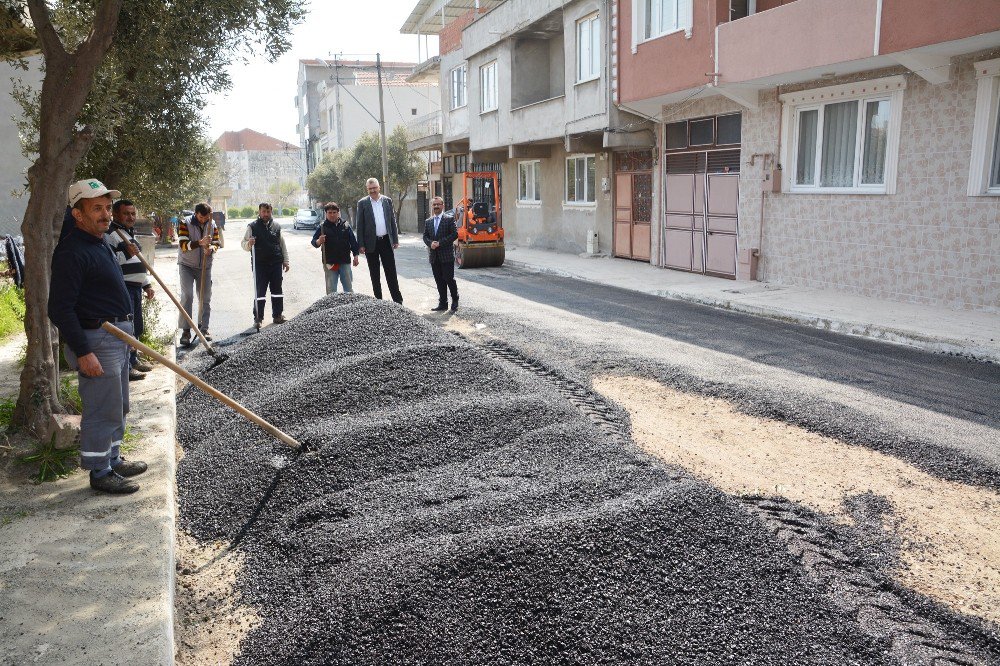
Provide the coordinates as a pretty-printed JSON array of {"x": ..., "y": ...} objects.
[{"x": 480, "y": 230}]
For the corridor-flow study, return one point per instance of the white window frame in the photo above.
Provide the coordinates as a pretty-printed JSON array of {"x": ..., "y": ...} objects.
[
  {"x": 488, "y": 87},
  {"x": 588, "y": 48},
  {"x": 585, "y": 201},
  {"x": 684, "y": 20},
  {"x": 985, "y": 143},
  {"x": 533, "y": 186},
  {"x": 888, "y": 89},
  {"x": 459, "y": 89}
]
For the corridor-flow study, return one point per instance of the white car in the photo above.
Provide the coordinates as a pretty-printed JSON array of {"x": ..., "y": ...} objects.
[{"x": 306, "y": 218}]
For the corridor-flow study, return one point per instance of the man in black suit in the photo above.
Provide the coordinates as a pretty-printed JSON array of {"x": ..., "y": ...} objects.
[
  {"x": 378, "y": 237},
  {"x": 440, "y": 233}
]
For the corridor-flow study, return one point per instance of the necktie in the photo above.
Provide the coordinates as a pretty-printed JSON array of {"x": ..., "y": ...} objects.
[{"x": 437, "y": 220}]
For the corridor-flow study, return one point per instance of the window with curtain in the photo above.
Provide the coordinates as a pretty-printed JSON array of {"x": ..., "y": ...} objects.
[
  {"x": 842, "y": 145},
  {"x": 588, "y": 48},
  {"x": 458, "y": 87},
  {"x": 581, "y": 179},
  {"x": 488, "y": 87},
  {"x": 660, "y": 17},
  {"x": 529, "y": 181}
]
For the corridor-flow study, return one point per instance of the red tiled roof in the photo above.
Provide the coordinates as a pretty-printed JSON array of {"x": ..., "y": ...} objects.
[{"x": 248, "y": 139}]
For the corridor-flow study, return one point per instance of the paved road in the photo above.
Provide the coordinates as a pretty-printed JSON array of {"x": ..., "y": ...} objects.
[{"x": 943, "y": 400}]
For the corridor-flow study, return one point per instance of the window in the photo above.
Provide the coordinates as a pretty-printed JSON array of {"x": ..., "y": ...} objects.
[
  {"x": 984, "y": 170},
  {"x": 704, "y": 132},
  {"x": 488, "y": 87},
  {"x": 661, "y": 17},
  {"x": 849, "y": 141},
  {"x": 458, "y": 87},
  {"x": 581, "y": 179},
  {"x": 529, "y": 181},
  {"x": 588, "y": 48}
]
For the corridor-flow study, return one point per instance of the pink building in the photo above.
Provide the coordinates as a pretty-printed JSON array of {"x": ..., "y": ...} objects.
[{"x": 844, "y": 144}]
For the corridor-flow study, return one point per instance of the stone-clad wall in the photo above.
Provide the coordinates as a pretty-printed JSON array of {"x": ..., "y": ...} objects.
[{"x": 928, "y": 243}]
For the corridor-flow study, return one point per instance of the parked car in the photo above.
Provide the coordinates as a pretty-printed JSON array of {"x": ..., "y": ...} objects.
[{"x": 306, "y": 218}]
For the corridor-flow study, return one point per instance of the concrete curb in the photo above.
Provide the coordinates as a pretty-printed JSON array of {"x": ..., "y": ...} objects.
[{"x": 936, "y": 344}]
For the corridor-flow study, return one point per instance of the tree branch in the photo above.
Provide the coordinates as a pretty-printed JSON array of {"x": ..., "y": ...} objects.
[
  {"x": 52, "y": 46},
  {"x": 91, "y": 52}
]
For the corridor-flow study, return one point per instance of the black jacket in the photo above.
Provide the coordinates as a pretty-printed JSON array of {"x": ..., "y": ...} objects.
[
  {"x": 447, "y": 234},
  {"x": 340, "y": 242},
  {"x": 366, "y": 223}
]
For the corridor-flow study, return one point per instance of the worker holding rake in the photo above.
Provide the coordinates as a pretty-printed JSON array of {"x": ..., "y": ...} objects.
[{"x": 199, "y": 240}]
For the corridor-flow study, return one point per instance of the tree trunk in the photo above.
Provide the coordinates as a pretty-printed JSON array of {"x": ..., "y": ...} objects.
[{"x": 69, "y": 78}]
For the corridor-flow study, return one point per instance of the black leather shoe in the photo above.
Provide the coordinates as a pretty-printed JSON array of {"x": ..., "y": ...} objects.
[
  {"x": 130, "y": 468},
  {"x": 440, "y": 308},
  {"x": 186, "y": 337},
  {"x": 454, "y": 305},
  {"x": 113, "y": 483}
]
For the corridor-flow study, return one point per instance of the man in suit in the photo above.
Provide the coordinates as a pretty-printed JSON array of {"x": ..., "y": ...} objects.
[
  {"x": 440, "y": 233},
  {"x": 378, "y": 237}
]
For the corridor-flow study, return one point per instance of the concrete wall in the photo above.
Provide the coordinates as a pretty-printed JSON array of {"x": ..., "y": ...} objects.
[
  {"x": 398, "y": 102},
  {"x": 802, "y": 35},
  {"x": 252, "y": 172},
  {"x": 454, "y": 122},
  {"x": 14, "y": 166},
  {"x": 908, "y": 24},
  {"x": 552, "y": 223},
  {"x": 927, "y": 243}
]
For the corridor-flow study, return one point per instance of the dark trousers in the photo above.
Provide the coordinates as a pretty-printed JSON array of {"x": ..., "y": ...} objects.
[
  {"x": 135, "y": 293},
  {"x": 444, "y": 278},
  {"x": 383, "y": 254},
  {"x": 268, "y": 276}
]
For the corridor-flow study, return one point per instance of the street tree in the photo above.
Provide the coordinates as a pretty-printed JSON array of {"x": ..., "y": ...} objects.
[
  {"x": 281, "y": 191},
  {"x": 134, "y": 97},
  {"x": 343, "y": 174}
]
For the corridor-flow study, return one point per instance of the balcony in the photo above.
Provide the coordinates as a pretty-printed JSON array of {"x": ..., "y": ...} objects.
[
  {"x": 424, "y": 132},
  {"x": 806, "y": 36}
]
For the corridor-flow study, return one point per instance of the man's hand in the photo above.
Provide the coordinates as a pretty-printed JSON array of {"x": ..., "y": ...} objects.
[
  {"x": 356, "y": 260},
  {"x": 150, "y": 294},
  {"x": 251, "y": 241},
  {"x": 286, "y": 266},
  {"x": 130, "y": 249},
  {"x": 362, "y": 250},
  {"x": 395, "y": 245},
  {"x": 435, "y": 245},
  {"x": 89, "y": 365},
  {"x": 204, "y": 241},
  {"x": 321, "y": 240}
]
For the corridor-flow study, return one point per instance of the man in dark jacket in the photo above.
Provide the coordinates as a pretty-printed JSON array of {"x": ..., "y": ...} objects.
[
  {"x": 440, "y": 233},
  {"x": 264, "y": 241},
  {"x": 337, "y": 243},
  {"x": 378, "y": 236}
]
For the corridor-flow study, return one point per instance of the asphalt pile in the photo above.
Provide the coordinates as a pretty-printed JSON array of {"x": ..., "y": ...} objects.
[{"x": 454, "y": 510}]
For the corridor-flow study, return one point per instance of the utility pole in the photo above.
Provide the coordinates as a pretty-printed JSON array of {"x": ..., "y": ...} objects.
[
  {"x": 381, "y": 122},
  {"x": 339, "y": 129}
]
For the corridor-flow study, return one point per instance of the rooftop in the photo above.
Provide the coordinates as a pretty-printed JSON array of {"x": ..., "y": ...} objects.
[{"x": 248, "y": 139}]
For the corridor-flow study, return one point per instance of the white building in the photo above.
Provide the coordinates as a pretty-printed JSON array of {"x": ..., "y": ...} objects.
[{"x": 254, "y": 162}]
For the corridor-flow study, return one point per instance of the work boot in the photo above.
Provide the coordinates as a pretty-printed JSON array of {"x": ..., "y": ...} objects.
[
  {"x": 113, "y": 483},
  {"x": 442, "y": 306},
  {"x": 143, "y": 366},
  {"x": 280, "y": 319},
  {"x": 208, "y": 336},
  {"x": 134, "y": 375},
  {"x": 129, "y": 468},
  {"x": 186, "y": 337}
]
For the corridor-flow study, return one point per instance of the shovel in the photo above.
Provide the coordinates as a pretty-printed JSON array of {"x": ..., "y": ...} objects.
[
  {"x": 219, "y": 358},
  {"x": 215, "y": 393}
]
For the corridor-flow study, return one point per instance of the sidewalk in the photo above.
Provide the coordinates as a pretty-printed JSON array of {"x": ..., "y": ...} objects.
[
  {"x": 88, "y": 578},
  {"x": 932, "y": 328}
]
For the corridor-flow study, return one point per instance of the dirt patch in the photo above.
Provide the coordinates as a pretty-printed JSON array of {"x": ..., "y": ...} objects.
[
  {"x": 949, "y": 549},
  {"x": 209, "y": 620}
]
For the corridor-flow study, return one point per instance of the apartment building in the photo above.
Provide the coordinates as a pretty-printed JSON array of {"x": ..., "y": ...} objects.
[
  {"x": 255, "y": 162},
  {"x": 526, "y": 93},
  {"x": 338, "y": 100},
  {"x": 844, "y": 144}
]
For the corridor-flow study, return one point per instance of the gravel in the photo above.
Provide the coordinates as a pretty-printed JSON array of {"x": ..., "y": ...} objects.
[{"x": 454, "y": 509}]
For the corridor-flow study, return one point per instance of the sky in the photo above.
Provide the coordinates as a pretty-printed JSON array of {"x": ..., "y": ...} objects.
[{"x": 263, "y": 94}]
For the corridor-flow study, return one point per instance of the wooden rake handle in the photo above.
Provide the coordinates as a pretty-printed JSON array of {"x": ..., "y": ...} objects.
[{"x": 204, "y": 386}]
